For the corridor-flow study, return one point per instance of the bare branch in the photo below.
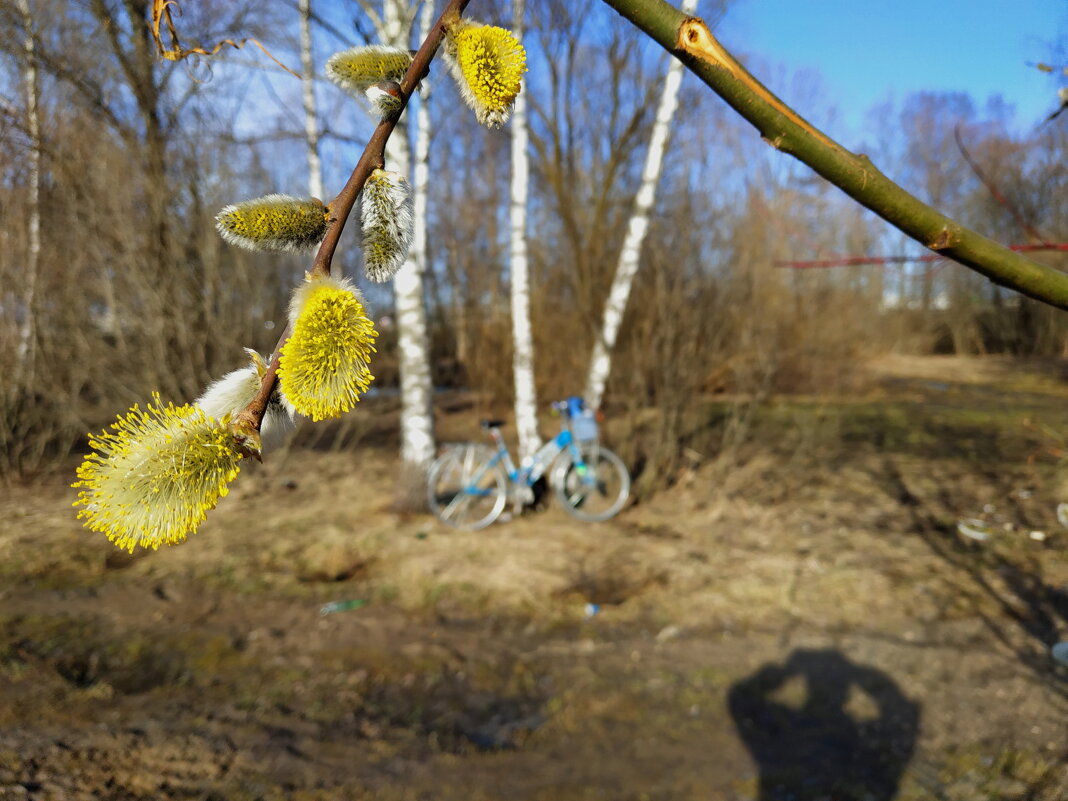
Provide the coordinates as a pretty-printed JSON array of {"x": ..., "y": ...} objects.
[
  {"x": 373, "y": 15},
  {"x": 326, "y": 25}
]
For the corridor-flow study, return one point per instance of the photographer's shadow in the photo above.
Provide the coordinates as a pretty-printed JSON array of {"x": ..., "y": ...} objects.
[{"x": 822, "y": 728}]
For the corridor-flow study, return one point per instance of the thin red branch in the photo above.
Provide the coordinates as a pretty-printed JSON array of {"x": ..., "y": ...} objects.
[
  {"x": 1029, "y": 229},
  {"x": 341, "y": 207},
  {"x": 785, "y": 225}
]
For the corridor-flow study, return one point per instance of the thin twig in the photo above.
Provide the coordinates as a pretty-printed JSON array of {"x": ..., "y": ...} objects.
[
  {"x": 1029, "y": 229},
  {"x": 161, "y": 13},
  {"x": 324, "y": 24},
  {"x": 372, "y": 15}
]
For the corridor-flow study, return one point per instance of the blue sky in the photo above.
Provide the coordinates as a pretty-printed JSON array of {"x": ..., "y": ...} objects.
[{"x": 868, "y": 51}]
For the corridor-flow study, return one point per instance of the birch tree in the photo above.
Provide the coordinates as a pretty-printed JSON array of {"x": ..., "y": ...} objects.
[
  {"x": 417, "y": 427},
  {"x": 311, "y": 120},
  {"x": 526, "y": 404},
  {"x": 421, "y": 193},
  {"x": 26, "y": 333},
  {"x": 630, "y": 255}
]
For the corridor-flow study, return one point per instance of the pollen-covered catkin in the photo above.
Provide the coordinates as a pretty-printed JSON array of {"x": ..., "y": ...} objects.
[
  {"x": 487, "y": 63},
  {"x": 386, "y": 214},
  {"x": 357, "y": 68},
  {"x": 155, "y": 474},
  {"x": 325, "y": 363},
  {"x": 274, "y": 223}
]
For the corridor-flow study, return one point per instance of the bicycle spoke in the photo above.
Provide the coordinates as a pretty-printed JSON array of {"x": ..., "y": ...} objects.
[
  {"x": 448, "y": 510},
  {"x": 466, "y": 487}
]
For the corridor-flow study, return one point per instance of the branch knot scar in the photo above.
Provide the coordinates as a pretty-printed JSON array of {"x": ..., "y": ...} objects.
[
  {"x": 944, "y": 241},
  {"x": 696, "y": 39}
]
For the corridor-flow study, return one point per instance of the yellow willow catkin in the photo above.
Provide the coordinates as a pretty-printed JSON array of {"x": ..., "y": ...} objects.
[
  {"x": 274, "y": 223},
  {"x": 325, "y": 364},
  {"x": 155, "y": 474},
  {"x": 388, "y": 224},
  {"x": 360, "y": 67},
  {"x": 488, "y": 64}
]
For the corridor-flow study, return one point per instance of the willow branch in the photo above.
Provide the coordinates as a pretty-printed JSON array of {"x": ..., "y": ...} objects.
[
  {"x": 341, "y": 206},
  {"x": 690, "y": 40}
]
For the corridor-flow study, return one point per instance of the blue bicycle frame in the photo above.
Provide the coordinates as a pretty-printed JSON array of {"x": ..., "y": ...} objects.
[{"x": 528, "y": 474}]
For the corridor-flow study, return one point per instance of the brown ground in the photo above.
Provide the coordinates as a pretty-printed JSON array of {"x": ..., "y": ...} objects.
[{"x": 812, "y": 598}]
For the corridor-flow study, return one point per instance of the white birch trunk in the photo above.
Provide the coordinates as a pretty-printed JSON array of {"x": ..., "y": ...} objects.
[
  {"x": 311, "y": 120},
  {"x": 526, "y": 402},
  {"x": 27, "y": 333},
  {"x": 417, "y": 427},
  {"x": 630, "y": 255}
]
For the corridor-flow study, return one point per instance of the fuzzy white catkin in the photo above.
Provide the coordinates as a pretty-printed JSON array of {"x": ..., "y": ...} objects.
[
  {"x": 384, "y": 104},
  {"x": 386, "y": 213},
  {"x": 231, "y": 393}
]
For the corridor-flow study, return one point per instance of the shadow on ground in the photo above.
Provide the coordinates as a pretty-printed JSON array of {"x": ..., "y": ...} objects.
[{"x": 820, "y": 726}]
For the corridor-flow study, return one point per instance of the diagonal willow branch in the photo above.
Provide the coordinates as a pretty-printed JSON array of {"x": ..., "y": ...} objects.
[
  {"x": 341, "y": 207},
  {"x": 690, "y": 40}
]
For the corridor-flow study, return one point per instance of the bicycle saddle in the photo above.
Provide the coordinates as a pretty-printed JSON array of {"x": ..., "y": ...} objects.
[{"x": 488, "y": 424}]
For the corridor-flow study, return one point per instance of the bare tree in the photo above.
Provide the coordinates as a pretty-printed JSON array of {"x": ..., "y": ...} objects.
[
  {"x": 311, "y": 120},
  {"x": 526, "y": 403},
  {"x": 421, "y": 170},
  {"x": 587, "y": 124},
  {"x": 25, "y": 349},
  {"x": 630, "y": 255},
  {"x": 417, "y": 426}
]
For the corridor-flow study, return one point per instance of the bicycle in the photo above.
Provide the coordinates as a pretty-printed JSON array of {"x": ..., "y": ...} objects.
[{"x": 469, "y": 485}]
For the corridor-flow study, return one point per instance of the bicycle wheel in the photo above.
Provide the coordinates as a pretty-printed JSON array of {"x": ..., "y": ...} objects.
[
  {"x": 597, "y": 487},
  {"x": 464, "y": 490}
]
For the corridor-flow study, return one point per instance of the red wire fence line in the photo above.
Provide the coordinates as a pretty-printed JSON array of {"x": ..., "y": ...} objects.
[{"x": 856, "y": 261}]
